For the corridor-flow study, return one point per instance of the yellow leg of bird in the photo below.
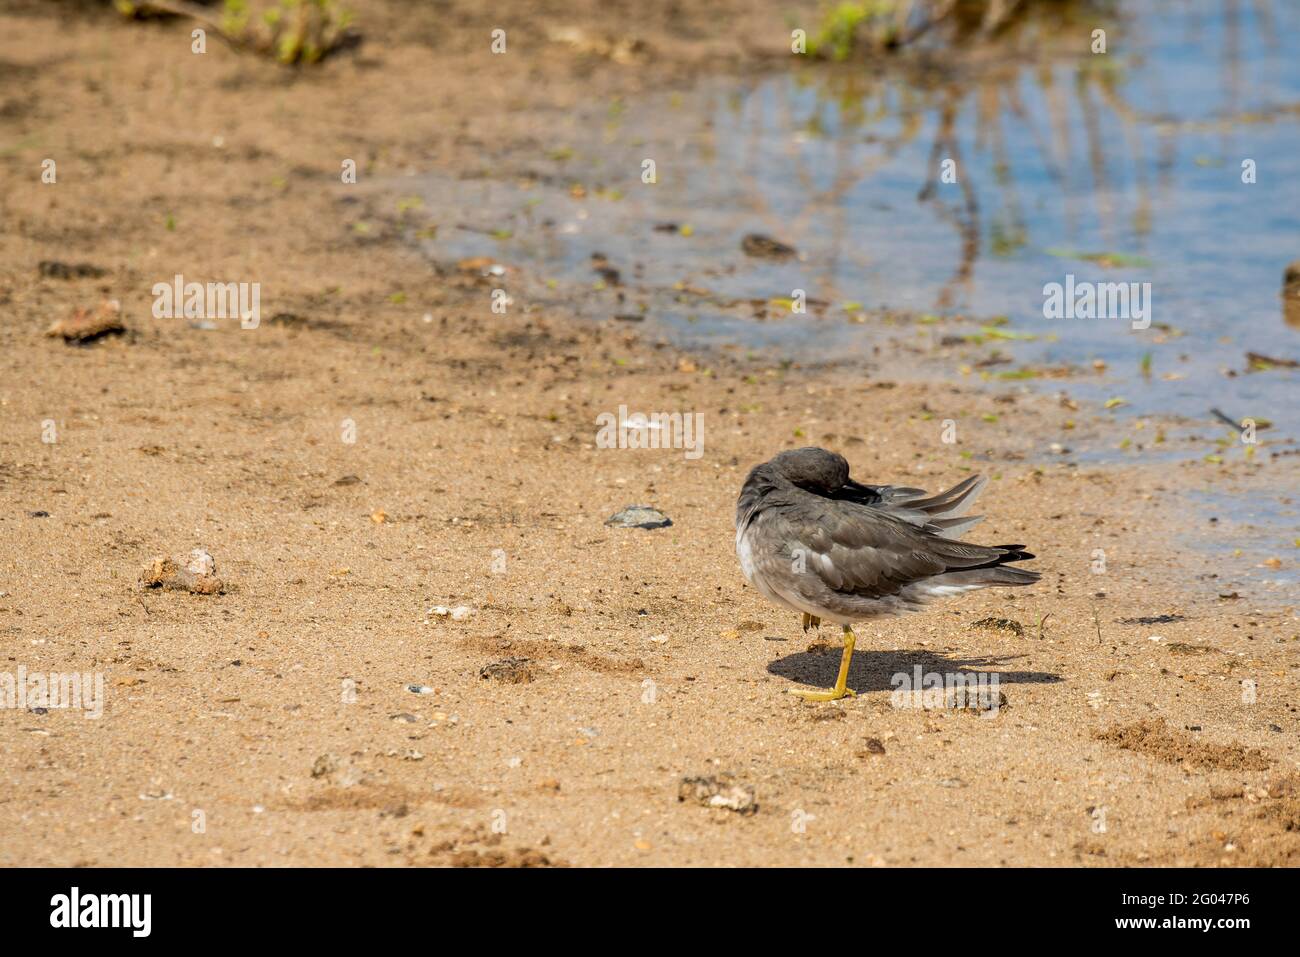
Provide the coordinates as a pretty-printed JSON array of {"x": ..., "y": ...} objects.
[{"x": 840, "y": 690}]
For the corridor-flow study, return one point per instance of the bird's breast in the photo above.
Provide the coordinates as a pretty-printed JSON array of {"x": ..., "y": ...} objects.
[{"x": 745, "y": 552}]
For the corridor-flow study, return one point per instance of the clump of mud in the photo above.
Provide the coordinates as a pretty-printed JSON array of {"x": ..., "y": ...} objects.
[
  {"x": 1257, "y": 826},
  {"x": 513, "y": 671},
  {"x": 720, "y": 791},
  {"x": 476, "y": 848},
  {"x": 1183, "y": 648},
  {"x": 1000, "y": 624},
  {"x": 84, "y": 326},
  {"x": 1284, "y": 808},
  {"x": 196, "y": 573},
  {"x": 1153, "y": 739},
  {"x": 539, "y": 650}
]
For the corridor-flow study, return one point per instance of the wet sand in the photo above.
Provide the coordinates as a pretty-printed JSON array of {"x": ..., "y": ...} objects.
[{"x": 277, "y": 714}]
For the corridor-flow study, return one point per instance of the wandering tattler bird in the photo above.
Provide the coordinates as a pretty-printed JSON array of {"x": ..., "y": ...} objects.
[{"x": 812, "y": 539}]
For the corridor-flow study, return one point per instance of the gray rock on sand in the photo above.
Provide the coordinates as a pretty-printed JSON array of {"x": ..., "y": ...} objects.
[{"x": 639, "y": 516}]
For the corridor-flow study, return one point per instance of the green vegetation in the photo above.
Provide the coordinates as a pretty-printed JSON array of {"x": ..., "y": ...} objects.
[
  {"x": 1107, "y": 260},
  {"x": 849, "y": 28},
  {"x": 842, "y": 24},
  {"x": 291, "y": 31}
]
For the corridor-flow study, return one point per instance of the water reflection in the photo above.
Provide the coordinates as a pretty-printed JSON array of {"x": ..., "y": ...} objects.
[
  {"x": 1128, "y": 165},
  {"x": 1057, "y": 149}
]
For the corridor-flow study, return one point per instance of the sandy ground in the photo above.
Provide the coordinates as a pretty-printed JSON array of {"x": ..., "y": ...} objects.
[{"x": 272, "y": 724}]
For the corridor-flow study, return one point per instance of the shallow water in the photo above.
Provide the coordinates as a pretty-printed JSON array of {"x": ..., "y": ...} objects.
[
  {"x": 1136, "y": 154},
  {"x": 1247, "y": 541}
]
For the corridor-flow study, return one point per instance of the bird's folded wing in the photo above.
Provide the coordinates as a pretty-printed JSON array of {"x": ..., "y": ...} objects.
[{"x": 856, "y": 549}]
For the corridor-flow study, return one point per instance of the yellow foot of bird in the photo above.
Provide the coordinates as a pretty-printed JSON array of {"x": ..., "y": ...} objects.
[
  {"x": 840, "y": 690},
  {"x": 811, "y": 621},
  {"x": 833, "y": 694}
]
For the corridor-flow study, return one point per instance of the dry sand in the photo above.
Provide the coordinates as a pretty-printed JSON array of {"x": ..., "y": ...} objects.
[{"x": 277, "y": 714}]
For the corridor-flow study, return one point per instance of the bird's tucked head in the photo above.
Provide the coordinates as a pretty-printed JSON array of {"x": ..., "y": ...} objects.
[{"x": 812, "y": 469}]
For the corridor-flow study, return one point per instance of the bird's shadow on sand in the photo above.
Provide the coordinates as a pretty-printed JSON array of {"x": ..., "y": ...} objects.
[{"x": 876, "y": 670}]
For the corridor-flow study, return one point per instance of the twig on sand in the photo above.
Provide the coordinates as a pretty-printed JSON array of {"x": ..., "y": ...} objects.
[{"x": 1218, "y": 414}]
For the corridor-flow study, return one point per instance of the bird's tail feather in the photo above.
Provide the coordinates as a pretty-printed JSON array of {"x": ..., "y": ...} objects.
[
  {"x": 995, "y": 571},
  {"x": 980, "y": 577},
  {"x": 955, "y": 527},
  {"x": 944, "y": 512},
  {"x": 953, "y": 503}
]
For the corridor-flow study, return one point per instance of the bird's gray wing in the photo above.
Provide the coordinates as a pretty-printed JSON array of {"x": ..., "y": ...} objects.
[{"x": 853, "y": 549}]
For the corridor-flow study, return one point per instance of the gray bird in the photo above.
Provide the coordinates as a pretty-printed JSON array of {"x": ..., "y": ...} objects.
[{"x": 815, "y": 541}]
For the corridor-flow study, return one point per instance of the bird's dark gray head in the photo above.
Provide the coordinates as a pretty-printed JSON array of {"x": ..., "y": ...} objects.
[
  {"x": 812, "y": 469},
  {"x": 789, "y": 477}
]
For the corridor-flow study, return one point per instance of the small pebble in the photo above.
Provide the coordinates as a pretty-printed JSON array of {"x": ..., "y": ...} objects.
[
  {"x": 201, "y": 563},
  {"x": 639, "y": 516},
  {"x": 459, "y": 613}
]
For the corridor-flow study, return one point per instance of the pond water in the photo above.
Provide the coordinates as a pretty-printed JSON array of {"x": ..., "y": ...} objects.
[
  {"x": 1245, "y": 540},
  {"x": 1116, "y": 167}
]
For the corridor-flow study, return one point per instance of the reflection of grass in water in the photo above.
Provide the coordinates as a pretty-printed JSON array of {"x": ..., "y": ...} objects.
[
  {"x": 967, "y": 85},
  {"x": 1106, "y": 260},
  {"x": 1007, "y": 239},
  {"x": 989, "y": 51},
  {"x": 848, "y": 28}
]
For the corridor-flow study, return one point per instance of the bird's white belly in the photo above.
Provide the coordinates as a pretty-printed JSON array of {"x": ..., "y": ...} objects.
[
  {"x": 746, "y": 555},
  {"x": 745, "y": 552}
]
